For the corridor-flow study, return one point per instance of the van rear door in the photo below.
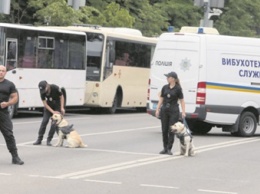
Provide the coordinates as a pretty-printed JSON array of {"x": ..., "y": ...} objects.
[{"x": 179, "y": 53}]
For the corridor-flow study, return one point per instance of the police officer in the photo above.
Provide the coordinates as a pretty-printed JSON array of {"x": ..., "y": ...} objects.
[
  {"x": 53, "y": 102},
  {"x": 168, "y": 109},
  {"x": 8, "y": 96}
]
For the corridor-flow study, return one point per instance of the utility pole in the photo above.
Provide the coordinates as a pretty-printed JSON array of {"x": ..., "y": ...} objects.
[
  {"x": 208, "y": 12},
  {"x": 5, "y": 6},
  {"x": 77, "y": 3}
]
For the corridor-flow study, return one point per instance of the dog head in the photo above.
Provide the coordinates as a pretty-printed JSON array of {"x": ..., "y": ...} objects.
[
  {"x": 178, "y": 128},
  {"x": 57, "y": 119}
]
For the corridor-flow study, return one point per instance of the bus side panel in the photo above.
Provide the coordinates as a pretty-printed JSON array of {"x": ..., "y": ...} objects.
[
  {"x": 26, "y": 81},
  {"x": 132, "y": 81}
]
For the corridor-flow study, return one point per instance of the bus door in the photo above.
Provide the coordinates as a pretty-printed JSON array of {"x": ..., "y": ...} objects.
[{"x": 11, "y": 53}]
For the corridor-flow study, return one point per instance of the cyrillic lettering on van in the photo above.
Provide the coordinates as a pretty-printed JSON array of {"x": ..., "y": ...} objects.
[{"x": 163, "y": 63}]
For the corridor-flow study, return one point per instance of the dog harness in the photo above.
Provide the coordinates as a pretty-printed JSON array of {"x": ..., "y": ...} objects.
[
  {"x": 66, "y": 130},
  {"x": 182, "y": 136}
]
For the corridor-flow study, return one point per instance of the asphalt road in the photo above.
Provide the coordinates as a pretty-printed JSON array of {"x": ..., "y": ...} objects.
[{"x": 122, "y": 158}]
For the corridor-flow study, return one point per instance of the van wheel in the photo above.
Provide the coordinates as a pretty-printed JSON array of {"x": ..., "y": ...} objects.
[
  {"x": 199, "y": 127},
  {"x": 247, "y": 124}
]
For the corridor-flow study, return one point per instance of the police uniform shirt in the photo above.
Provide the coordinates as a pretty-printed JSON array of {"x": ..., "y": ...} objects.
[
  {"x": 171, "y": 95},
  {"x": 53, "y": 99},
  {"x": 6, "y": 89}
]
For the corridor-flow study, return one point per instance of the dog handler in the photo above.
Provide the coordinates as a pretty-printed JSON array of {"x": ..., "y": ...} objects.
[
  {"x": 168, "y": 109},
  {"x": 8, "y": 96},
  {"x": 53, "y": 102}
]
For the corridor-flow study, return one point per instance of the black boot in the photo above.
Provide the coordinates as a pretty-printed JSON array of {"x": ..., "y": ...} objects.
[
  {"x": 169, "y": 152},
  {"x": 16, "y": 159},
  {"x": 38, "y": 142},
  {"x": 48, "y": 143},
  {"x": 164, "y": 151}
]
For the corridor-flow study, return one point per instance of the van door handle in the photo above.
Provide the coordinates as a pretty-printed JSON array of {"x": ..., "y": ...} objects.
[{"x": 191, "y": 91}]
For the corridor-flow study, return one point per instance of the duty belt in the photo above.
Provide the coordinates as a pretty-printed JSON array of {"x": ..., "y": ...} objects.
[{"x": 168, "y": 105}]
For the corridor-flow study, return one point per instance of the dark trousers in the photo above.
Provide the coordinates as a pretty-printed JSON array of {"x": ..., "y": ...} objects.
[
  {"x": 169, "y": 116},
  {"x": 6, "y": 128},
  {"x": 45, "y": 120}
]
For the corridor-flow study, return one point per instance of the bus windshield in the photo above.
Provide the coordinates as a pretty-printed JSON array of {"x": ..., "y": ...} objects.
[{"x": 94, "y": 56}]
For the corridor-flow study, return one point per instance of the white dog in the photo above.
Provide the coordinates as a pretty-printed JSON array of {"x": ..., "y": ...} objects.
[
  {"x": 66, "y": 131},
  {"x": 186, "y": 142}
]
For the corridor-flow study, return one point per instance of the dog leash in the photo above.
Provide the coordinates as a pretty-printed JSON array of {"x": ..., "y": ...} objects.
[{"x": 186, "y": 125}]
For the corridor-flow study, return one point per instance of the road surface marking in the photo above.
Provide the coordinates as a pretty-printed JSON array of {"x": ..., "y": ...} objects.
[
  {"x": 219, "y": 192},
  {"x": 159, "y": 186},
  {"x": 141, "y": 162},
  {"x": 5, "y": 174},
  {"x": 75, "y": 175},
  {"x": 101, "y": 133},
  {"x": 107, "y": 182}
]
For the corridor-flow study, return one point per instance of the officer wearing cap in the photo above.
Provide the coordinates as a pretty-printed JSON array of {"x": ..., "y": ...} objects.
[
  {"x": 53, "y": 101},
  {"x": 168, "y": 109}
]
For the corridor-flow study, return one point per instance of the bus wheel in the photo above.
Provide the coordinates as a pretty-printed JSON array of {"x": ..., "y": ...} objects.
[
  {"x": 112, "y": 110},
  {"x": 247, "y": 124},
  {"x": 199, "y": 127}
]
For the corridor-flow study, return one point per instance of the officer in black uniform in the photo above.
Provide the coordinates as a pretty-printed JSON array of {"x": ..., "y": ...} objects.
[
  {"x": 53, "y": 101},
  {"x": 8, "y": 96},
  {"x": 168, "y": 109}
]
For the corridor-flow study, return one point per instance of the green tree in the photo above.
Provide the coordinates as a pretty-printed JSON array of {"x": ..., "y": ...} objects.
[
  {"x": 19, "y": 13},
  {"x": 91, "y": 15},
  {"x": 147, "y": 18},
  {"x": 180, "y": 13},
  {"x": 54, "y": 12},
  {"x": 117, "y": 17},
  {"x": 240, "y": 18}
]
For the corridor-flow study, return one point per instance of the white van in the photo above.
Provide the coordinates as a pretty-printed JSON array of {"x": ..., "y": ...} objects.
[{"x": 220, "y": 78}]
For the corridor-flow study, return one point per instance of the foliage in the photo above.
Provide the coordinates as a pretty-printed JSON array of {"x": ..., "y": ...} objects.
[
  {"x": 54, "y": 12},
  {"x": 239, "y": 17},
  {"x": 116, "y": 16}
]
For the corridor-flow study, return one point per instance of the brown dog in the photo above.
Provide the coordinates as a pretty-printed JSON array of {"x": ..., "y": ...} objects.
[
  {"x": 66, "y": 131},
  {"x": 186, "y": 141}
]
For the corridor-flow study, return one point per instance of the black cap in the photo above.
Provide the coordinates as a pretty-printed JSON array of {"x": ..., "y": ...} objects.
[
  {"x": 172, "y": 74},
  {"x": 42, "y": 86}
]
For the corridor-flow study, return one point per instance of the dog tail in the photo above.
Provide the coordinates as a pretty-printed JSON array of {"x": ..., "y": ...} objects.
[{"x": 82, "y": 145}]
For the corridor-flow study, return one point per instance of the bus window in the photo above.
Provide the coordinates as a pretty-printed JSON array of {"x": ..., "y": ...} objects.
[
  {"x": 11, "y": 58},
  {"x": 45, "y": 55},
  {"x": 110, "y": 59},
  {"x": 94, "y": 56},
  {"x": 76, "y": 60},
  {"x": 27, "y": 59},
  {"x": 61, "y": 54},
  {"x": 2, "y": 46}
]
